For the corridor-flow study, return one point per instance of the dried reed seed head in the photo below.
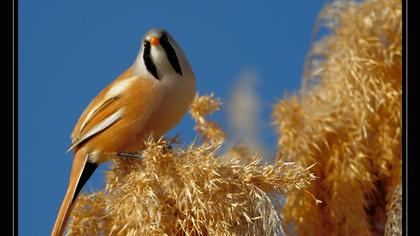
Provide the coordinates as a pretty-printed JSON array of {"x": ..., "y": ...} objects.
[
  {"x": 192, "y": 192},
  {"x": 209, "y": 131},
  {"x": 203, "y": 106},
  {"x": 348, "y": 120}
]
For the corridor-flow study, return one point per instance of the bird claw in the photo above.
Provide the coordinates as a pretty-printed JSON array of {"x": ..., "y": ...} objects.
[
  {"x": 167, "y": 147},
  {"x": 130, "y": 155}
]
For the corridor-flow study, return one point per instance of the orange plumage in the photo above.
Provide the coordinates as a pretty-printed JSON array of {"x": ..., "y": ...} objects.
[
  {"x": 149, "y": 98},
  {"x": 139, "y": 103}
]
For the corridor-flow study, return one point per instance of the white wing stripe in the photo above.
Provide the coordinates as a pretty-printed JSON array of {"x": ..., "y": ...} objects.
[
  {"x": 95, "y": 110},
  {"x": 116, "y": 116},
  {"x": 88, "y": 117}
]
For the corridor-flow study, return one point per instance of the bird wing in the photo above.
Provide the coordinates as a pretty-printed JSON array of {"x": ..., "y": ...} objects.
[
  {"x": 101, "y": 113},
  {"x": 102, "y": 125},
  {"x": 92, "y": 113}
]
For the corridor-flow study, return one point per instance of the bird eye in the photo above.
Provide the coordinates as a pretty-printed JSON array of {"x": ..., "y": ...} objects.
[
  {"x": 146, "y": 43},
  {"x": 163, "y": 37}
]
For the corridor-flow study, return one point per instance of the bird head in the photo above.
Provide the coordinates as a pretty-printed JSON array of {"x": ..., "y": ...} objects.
[{"x": 161, "y": 57}]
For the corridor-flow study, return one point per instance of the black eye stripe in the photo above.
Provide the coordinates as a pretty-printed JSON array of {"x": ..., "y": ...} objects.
[
  {"x": 170, "y": 53},
  {"x": 150, "y": 65}
]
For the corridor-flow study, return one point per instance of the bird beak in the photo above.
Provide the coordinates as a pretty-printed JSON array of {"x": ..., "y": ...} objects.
[{"x": 154, "y": 41}]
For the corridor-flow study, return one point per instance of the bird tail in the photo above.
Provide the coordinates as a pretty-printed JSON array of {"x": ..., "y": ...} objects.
[{"x": 81, "y": 171}]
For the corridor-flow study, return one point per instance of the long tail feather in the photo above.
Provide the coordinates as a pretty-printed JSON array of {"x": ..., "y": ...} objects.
[{"x": 81, "y": 170}]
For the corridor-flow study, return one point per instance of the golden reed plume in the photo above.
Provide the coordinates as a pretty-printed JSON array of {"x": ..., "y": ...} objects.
[{"x": 348, "y": 119}]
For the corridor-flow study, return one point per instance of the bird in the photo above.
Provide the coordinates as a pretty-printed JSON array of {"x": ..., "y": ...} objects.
[{"x": 148, "y": 98}]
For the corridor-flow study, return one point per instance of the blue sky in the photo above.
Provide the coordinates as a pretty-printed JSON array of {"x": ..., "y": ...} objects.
[{"x": 70, "y": 50}]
